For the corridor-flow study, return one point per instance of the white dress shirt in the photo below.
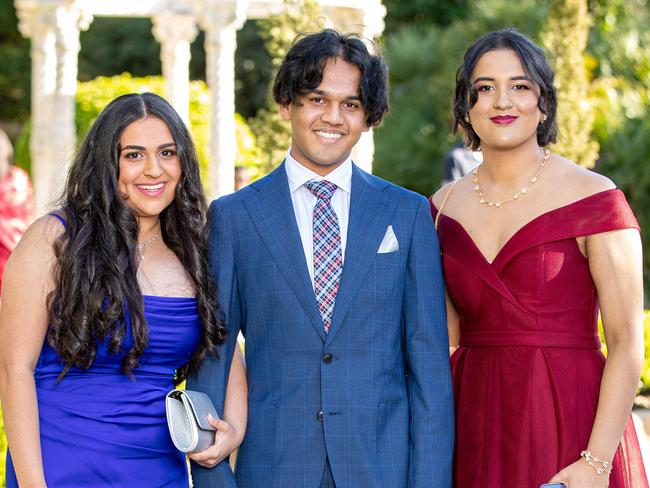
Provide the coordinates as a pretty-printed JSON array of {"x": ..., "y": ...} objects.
[{"x": 304, "y": 201}]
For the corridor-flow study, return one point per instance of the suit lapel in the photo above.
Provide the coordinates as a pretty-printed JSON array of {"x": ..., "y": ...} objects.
[
  {"x": 370, "y": 215},
  {"x": 272, "y": 212}
]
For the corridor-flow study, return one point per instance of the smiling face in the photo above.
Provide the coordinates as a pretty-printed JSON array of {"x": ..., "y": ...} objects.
[
  {"x": 149, "y": 167},
  {"x": 328, "y": 121},
  {"x": 506, "y": 113}
]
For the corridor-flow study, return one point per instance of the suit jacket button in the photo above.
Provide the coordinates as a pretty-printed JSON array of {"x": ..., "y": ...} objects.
[
  {"x": 319, "y": 416},
  {"x": 327, "y": 358}
]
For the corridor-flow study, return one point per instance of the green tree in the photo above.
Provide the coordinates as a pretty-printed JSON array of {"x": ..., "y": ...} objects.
[
  {"x": 565, "y": 39},
  {"x": 15, "y": 67},
  {"x": 279, "y": 32},
  {"x": 400, "y": 13},
  {"x": 112, "y": 46},
  {"x": 253, "y": 70}
]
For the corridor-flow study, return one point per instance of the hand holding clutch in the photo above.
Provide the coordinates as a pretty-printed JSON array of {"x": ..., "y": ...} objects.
[{"x": 187, "y": 418}]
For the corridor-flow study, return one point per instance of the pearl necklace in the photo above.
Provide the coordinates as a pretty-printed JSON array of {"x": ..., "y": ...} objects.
[
  {"x": 141, "y": 245},
  {"x": 484, "y": 201}
]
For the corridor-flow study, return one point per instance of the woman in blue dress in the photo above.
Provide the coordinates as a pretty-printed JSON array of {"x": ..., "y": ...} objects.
[{"x": 107, "y": 303}]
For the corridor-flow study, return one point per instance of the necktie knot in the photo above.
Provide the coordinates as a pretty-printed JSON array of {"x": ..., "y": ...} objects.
[{"x": 323, "y": 189}]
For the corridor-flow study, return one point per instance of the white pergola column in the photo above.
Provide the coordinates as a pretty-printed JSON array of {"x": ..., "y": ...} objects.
[
  {"x": 221, "y": 20},
  {"x": 367, "y": 21},
  {"x": 54, "y": 32},
  {"x": 175, "y": 32}
]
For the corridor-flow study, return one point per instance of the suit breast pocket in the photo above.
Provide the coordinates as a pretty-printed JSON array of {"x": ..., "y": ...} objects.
[
  {"x": 388, "y": 260},
  {"x": 386, "y": 273}
]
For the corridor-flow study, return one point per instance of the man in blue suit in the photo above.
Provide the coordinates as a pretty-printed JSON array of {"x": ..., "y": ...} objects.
[{"x": 333, "y": 276}]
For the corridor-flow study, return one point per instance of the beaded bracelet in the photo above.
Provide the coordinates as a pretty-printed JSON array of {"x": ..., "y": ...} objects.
[{"x": 606, "y": 465}]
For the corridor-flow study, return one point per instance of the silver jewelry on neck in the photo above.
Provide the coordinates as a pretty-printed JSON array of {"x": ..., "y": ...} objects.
[{"x": 141, "y": 245}]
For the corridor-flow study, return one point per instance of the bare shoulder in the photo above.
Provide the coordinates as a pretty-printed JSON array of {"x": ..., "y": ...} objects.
[
  {"x": 44, "y": 230},
  {"x": 35, "y": 248},
  {"x": 438, "y": 197},
  {"x": 453, "y": 187},
  {"x": 579, "y": 182}
]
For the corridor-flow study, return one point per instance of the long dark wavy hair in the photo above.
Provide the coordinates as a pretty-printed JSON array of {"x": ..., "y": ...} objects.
[{"x": 95, "y": 270}]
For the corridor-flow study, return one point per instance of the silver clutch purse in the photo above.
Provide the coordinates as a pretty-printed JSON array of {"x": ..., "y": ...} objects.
[{"x": 187, "y": 418}]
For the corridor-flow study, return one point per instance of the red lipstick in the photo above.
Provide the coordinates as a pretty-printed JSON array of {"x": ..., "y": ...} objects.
[{"x": 503, "y": 119}]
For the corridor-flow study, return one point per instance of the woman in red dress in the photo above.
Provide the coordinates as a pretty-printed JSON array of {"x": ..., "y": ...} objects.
[{"x": 533, "y": 247}]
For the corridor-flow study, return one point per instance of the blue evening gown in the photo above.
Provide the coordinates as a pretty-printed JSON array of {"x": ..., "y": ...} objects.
[{"x": 98, "y": 427}]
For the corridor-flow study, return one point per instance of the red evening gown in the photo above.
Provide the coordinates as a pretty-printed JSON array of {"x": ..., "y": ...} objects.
[{"x": 527, "y": 372}]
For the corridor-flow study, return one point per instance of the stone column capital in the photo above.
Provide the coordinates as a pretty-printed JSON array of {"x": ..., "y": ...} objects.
[
  {"x": 66, "y": 16},
  {"x": 220, "y": 15},
  {"x": 172, "y": 28}
]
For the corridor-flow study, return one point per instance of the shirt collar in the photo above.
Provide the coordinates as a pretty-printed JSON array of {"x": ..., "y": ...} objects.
[{"x": 298, "y": 175}]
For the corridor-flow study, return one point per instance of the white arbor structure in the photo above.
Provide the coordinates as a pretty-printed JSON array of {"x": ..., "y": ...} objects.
[{"x": 54, "y": 25}]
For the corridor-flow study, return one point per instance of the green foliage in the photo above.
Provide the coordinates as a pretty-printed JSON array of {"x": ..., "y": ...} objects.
[
  {"x": 625, "y": 155},
  {"x": 279, "y": 31},
  {"x": 565, "y": 39},
  {"x": 620, "y": 48},
  {"x": 619, "y": 41},
  {"x": 93, "y": 96},
  {"x": 253, "y": 70},
  {"x": 411, "y": 144},
  {"x": 417, "y": 12},
  {"x": 114, "y": 45},
  {"x": 15, "y": 68}
]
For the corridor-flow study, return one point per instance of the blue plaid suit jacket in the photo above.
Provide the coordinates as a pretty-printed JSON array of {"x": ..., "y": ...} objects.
[{"x": 381, "y": 408}]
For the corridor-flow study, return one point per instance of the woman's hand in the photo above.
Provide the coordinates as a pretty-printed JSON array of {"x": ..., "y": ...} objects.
[
  {"x": 581, "y": 475},
  {"x": 226, "y": 440}
]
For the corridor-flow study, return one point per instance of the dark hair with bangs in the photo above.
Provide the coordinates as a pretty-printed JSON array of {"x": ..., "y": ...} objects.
[
  {"x": 301, "y": 71},
  {"x": 95, "y": 269},
  {"x": 535, "y": 66}
]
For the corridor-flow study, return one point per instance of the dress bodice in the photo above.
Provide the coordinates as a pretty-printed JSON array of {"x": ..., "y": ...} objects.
[
  {"x": 538, "y": 290},
  {"x": 173, "y": 338}
]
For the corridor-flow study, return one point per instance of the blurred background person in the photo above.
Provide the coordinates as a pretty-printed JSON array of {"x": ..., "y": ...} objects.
[
  {"x": 459, "y": 161},
  {"x": 16, "y": 201}
]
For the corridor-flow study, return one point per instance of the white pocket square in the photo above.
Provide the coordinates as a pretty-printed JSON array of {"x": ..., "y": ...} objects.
[{"x": 389, "y": 242}]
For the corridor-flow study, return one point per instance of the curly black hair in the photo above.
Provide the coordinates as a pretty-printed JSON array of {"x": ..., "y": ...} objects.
[
  {"x": 95, "y": 268},
  {"x": 301, "y": 71},
  {"x": 535, "y": 66}
]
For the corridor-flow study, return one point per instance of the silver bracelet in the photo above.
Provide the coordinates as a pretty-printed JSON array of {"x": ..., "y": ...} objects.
[{"x": 605, "y": 466}]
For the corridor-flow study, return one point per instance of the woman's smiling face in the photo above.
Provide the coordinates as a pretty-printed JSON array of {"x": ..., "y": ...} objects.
[
  {"x": 506, "y": 113},
  {"x": 149, "y": 166}
]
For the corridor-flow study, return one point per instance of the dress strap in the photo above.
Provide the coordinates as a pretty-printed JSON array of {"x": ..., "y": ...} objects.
[
  {"x": 60, "y": 219},
  {"x": 444, "y": 202}
]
